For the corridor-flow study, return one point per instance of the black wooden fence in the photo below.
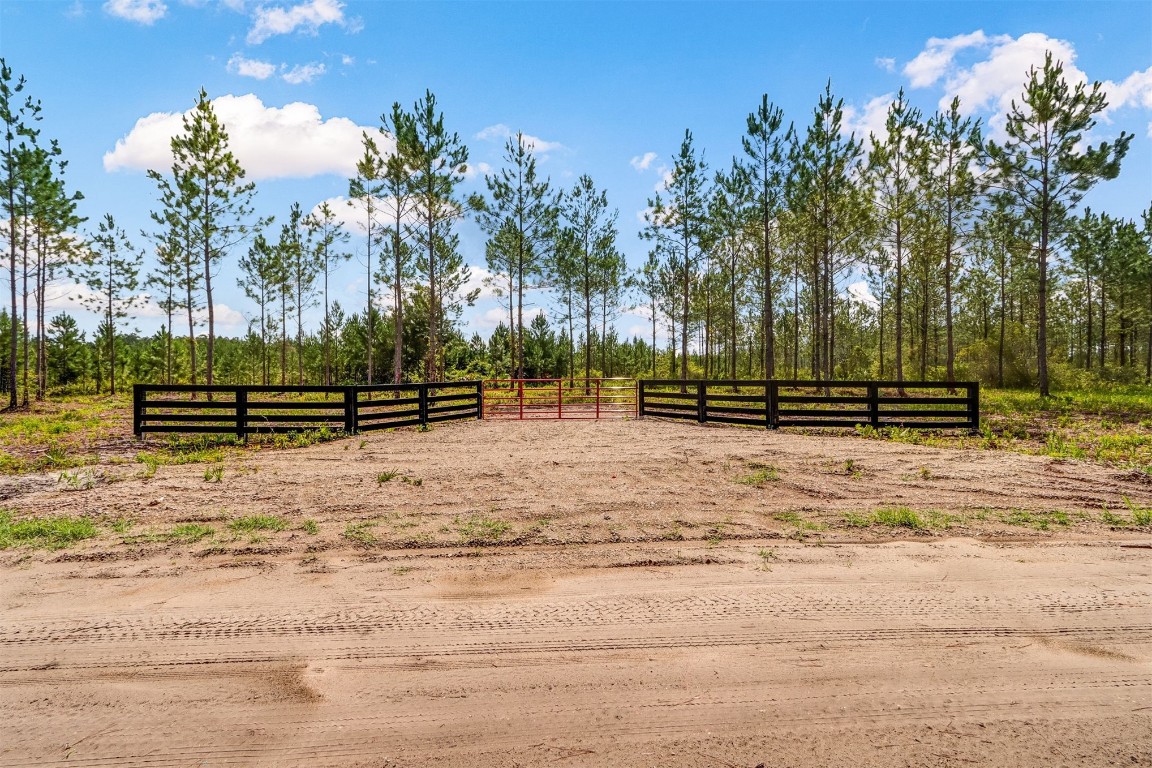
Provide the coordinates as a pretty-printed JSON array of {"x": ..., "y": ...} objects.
[
  {"x": 790, "y": 403},
  {"x": 250, "y": 410}
]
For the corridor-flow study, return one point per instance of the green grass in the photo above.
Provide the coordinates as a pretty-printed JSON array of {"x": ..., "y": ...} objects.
[
  {"x": 1041, "y": 521},
  {"x": 310, "y": 527},
  {"x": 360, "y": 532},
  {"x": 1141, "y": 516},
  {"x": 900, "y": 517},
  {"x": 45, "y": 532},
  {"x": 481, "y": 530},
  {"x": 761, "y": 474},
  {"x": 190, "y": 533},
  {"x": 252, "y": 523},
  {"x": 797, "y": 520},
  {"x": 214, "y": 473}
]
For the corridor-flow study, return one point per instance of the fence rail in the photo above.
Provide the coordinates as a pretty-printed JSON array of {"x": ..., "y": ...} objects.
[
  {"x": 251, "y": 410},
  {"x": 775, "y": 403}
]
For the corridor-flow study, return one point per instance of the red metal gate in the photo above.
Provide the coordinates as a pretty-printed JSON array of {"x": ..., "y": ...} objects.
[{"x": 559, "y": 398}]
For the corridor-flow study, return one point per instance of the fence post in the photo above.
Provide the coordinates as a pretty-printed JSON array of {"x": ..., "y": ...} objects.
[
  {"x": 242, "y": 413},
  {"x": 974, "y": 405},
  {"x": 702, "y": 401},
  {"x": 350, "y": 413},
  {"x": 873, "y": 405},
  {"x": 639, "y": 398},
  {"x": 480, "y": 399},
  {"x": 423, "y": 390},
  {"x": 769, "y": 405},
  {"x": 138, "y": 410}
]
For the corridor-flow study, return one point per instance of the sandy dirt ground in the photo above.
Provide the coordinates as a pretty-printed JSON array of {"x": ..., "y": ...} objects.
[{"x": 585, "y": 594}]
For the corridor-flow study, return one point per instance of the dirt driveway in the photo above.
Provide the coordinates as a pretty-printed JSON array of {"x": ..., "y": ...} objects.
[{"x": 593, "y": 594}]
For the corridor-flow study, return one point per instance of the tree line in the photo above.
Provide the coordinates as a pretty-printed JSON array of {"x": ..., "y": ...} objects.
[{"x": 925, "y": 251}]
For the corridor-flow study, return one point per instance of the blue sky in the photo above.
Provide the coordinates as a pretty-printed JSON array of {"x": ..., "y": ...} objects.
[{"x": 604, "y": 88}]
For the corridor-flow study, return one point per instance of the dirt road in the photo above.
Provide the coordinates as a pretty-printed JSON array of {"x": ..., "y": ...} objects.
[{"x": 945, "y": 653}]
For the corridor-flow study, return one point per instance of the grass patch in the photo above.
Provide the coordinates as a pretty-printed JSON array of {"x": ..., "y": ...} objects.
[
  {"x": 1041, "y": 521},
  {"x": 481, "y": 530},
  {"x": 310, "y": 527},
  {"x": 45, "y": 532},
  {"x": 900, "y": 517},
  {"x": 360, "y": 532},
  {"x": 794, "y": 518},
  {"x": 190, "y": 533},
  {"x": 251, "y": 523},
  {"x": 761, "y": 474},
  {"x": 214, "y": 473}
]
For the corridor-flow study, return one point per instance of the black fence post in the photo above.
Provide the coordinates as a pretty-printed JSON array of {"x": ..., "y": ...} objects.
[
  {"x": 242, "y": 413},
  {"x": 423, "y": 390},
  {"x": 769, "y": 405},
  {"x": 480, "y": 399},
  {"x": 873, "y": 405},
  {"x": 702, "y": 401},
  {"x": 974, "y": 405},
  {"x": 350, "y": 414},
  {"x": 639, "y": 398},
  {"x": 138, "y": 410}
]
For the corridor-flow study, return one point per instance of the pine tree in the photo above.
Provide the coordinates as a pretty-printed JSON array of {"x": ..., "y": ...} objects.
[
  {"x": 1045, "y": 171},
  {"x": 590, "y": 231},
  {"x": 212, "y": 191},
  {"x": 366, "y": 190},
  {"x": 679, "y": 223},
  {"x": 16, "y": 119},
  {"x": 524, "y": 210},
  {"x": 327, "y": 238},
  {"x": 111, "y": 269},
  {"x": 764, "y": 169},
  {"x": 436, "y": 161}
]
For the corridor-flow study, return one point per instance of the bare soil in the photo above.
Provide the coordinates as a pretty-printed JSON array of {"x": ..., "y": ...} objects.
[{"x": 585, "y": 594}]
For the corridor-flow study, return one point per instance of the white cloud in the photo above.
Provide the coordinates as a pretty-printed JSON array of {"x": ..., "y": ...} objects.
[
  {"x": 996, "y": 77},
  {"x": 1134, "y": 91},
  {"x": 306, "y": 17},
  {"x": 261, "y": 70},
  {"x": 347, "y": 60},
  {"x": 665, "y": 182},
  {"x": 270, "y": 142},
  {"x": 862, "y": 293},
  {"x": 490, "y": 318},
  {"x": 477, "y": 169},
  {"x": 480, "y": 278},
  {"x": 77, "y": 298},
  {"x": 885, "y": 63},
  {"x": 936, "y": 59},
  {"x": 139, "y": 11},
  {"x": 870, "y": 119},
  {"x": 643, "y": 162},
  {"x": 303, "y": 73},
  {"x": 996, "y": 81},
  {"x": 533, "y": 143},
  {"x": 352, "y": 213}
]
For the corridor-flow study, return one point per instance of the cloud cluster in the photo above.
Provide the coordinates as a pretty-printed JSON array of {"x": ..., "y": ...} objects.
[
  {"x": 868, "y": 120},
  {"x": 988, "y": 72},
  {"x": 262, "y": 70},
  {"x": 307, "y": 17},
  {"x": 643, "y": 162},
  {"x": 254, "y": 68},
  {"x": 140, "y": 11},
  {"x": 293, "y": 141},
  {"x": 534, "y": 144}
]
